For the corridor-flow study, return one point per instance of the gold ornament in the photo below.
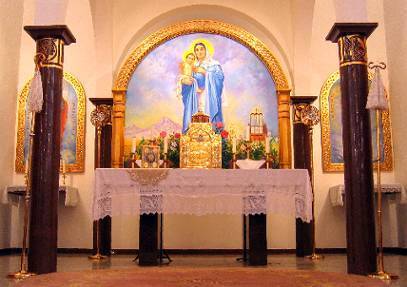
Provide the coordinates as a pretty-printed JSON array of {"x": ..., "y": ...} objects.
[
  {"x": 200, "y": 147},
  {"x": 101, "y": 116},
  {"x": 310, "y": 116}
]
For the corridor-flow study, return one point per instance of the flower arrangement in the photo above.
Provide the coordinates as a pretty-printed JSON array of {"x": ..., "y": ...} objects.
[
  {"x": 173, "y": 149},
  {"x": 257, "y": 149}
]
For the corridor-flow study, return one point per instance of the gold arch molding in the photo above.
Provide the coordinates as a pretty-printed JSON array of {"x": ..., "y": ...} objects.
[
  {"x": 201, "y": 26},
  {"x": 78, "y": 165}
]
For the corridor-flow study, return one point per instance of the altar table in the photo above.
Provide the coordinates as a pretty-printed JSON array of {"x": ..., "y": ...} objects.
[{"x": 148, "y": 192}]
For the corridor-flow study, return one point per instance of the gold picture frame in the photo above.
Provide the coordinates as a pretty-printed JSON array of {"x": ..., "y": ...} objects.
[
  {"x": 78, "y": 164},
  {"x": 330, "y": 123},
  {"x": 150, "y": 156}
]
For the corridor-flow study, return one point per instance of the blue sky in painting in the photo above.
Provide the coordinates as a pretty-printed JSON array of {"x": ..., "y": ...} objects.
[{"x": 151, "y": 92}]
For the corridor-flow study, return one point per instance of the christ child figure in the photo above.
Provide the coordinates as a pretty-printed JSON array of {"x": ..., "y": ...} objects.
[{"x": 186, "y": 68}]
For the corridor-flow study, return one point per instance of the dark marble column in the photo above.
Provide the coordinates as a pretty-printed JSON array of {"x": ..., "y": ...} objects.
[
  {"x": 42, "y": 256},
  {"x": 302, "y": 159},
  {"x": 105, "y": 158},
  {"x": 357, "y": 147}
]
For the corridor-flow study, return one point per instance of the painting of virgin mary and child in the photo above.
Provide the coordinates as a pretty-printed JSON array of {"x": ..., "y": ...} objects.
[
  {"x": 200, "y": 85},
  {"x": 198, "y": 72}
]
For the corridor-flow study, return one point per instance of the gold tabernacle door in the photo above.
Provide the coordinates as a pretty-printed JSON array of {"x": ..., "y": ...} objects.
[{"x": 200, "y": 147}]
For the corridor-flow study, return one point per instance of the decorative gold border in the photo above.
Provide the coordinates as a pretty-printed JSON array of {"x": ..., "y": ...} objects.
[
  {"x": 201, "y": 26},
  {"x": 327, "y": 164},
  {"x": 78, "y": 166}
]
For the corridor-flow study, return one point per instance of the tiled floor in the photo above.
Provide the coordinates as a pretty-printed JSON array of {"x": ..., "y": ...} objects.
[{"x": 333, "y": 263}]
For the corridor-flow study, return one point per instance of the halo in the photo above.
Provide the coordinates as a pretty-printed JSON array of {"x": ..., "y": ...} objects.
[
  {"x": 186, "y": 53},
  {"x": 207, "y": 43}
]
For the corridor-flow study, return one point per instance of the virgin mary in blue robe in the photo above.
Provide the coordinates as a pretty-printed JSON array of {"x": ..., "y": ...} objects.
[
  {"x": 209, "y": 76},
  {"x": 207, "y": 87},
  {"x": 190, "y": 101},
  {"x": 212, "y": 85}
]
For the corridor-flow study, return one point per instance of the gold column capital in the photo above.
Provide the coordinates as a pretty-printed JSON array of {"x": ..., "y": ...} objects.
[
  {"x": 119, "y": 91},
  {"x": 50, "y": 52},
  {"x": 352, "y": 50},
  {"x": 297, "y": 112},
  {"x": 283, "y": 91}
]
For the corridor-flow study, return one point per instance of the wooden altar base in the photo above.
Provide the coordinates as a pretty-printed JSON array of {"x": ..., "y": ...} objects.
[{"x": 149, "y": 240}]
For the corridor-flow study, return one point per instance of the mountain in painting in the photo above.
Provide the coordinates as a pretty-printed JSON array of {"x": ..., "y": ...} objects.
[{"x": 165, "y": 124}]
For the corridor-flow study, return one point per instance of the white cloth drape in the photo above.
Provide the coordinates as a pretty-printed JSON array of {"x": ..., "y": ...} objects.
[
  {"x": 201, "y": 192},
  {"x": 376, "y": 100},
  {"x": 36, "y": 95}
]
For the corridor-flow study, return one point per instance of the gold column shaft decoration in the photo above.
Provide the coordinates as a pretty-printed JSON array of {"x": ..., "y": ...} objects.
[
  {"x": 284, "y": 127},
  {"x": 119, "y": 108},
  {"x": 99, "y": 117}
]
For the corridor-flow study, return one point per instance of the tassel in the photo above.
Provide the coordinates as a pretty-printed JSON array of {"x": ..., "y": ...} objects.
[
  {"x": 376, "y": 100},
  {"x": 36, "y": 96}
]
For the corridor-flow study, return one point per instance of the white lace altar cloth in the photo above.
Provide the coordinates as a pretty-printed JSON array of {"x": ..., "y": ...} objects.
[
  {"x": 126, "y": 191},
  {"x": 337, "y": 193}
]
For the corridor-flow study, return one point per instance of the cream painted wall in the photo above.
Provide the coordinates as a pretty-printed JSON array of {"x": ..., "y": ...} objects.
[
  {"x": 294, "y": 30},
  {"x": 395, "y": 13},
  {"x": 11, "y": 17}
]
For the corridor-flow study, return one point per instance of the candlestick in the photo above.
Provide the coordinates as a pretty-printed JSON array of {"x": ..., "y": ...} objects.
[
  {"x": 234, "y": 145},
  {"x": 26, "y": 173},
  {"x": 134, "y": 145},
  {"x": 133, "y": 160},
  {"x": 165, "y": 165},
  {"x": 268, "y": 157},
  {"x": 267, "y": 145},
  {"x": 63, "y": 167}
]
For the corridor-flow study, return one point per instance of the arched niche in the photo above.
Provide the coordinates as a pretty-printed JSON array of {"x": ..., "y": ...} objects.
[{"x": 211, "y": 27}]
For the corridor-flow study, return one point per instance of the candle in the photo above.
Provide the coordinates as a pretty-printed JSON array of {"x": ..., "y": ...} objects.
[
  {"x": 165, "y": 144},
  {"x": 267, "y": 144},
  {"x": 134, "y": 145},
  {"x": 248, "y": 133},
  {"x": 234, "y": 145}
]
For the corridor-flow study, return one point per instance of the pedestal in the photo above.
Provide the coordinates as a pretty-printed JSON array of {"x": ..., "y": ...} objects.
[
  {"x": 42, "y": 257},
  {"x": 302, "y": 160},
  {"x": 105, "y": 224},
  {"x": 357, "y": 149}
]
